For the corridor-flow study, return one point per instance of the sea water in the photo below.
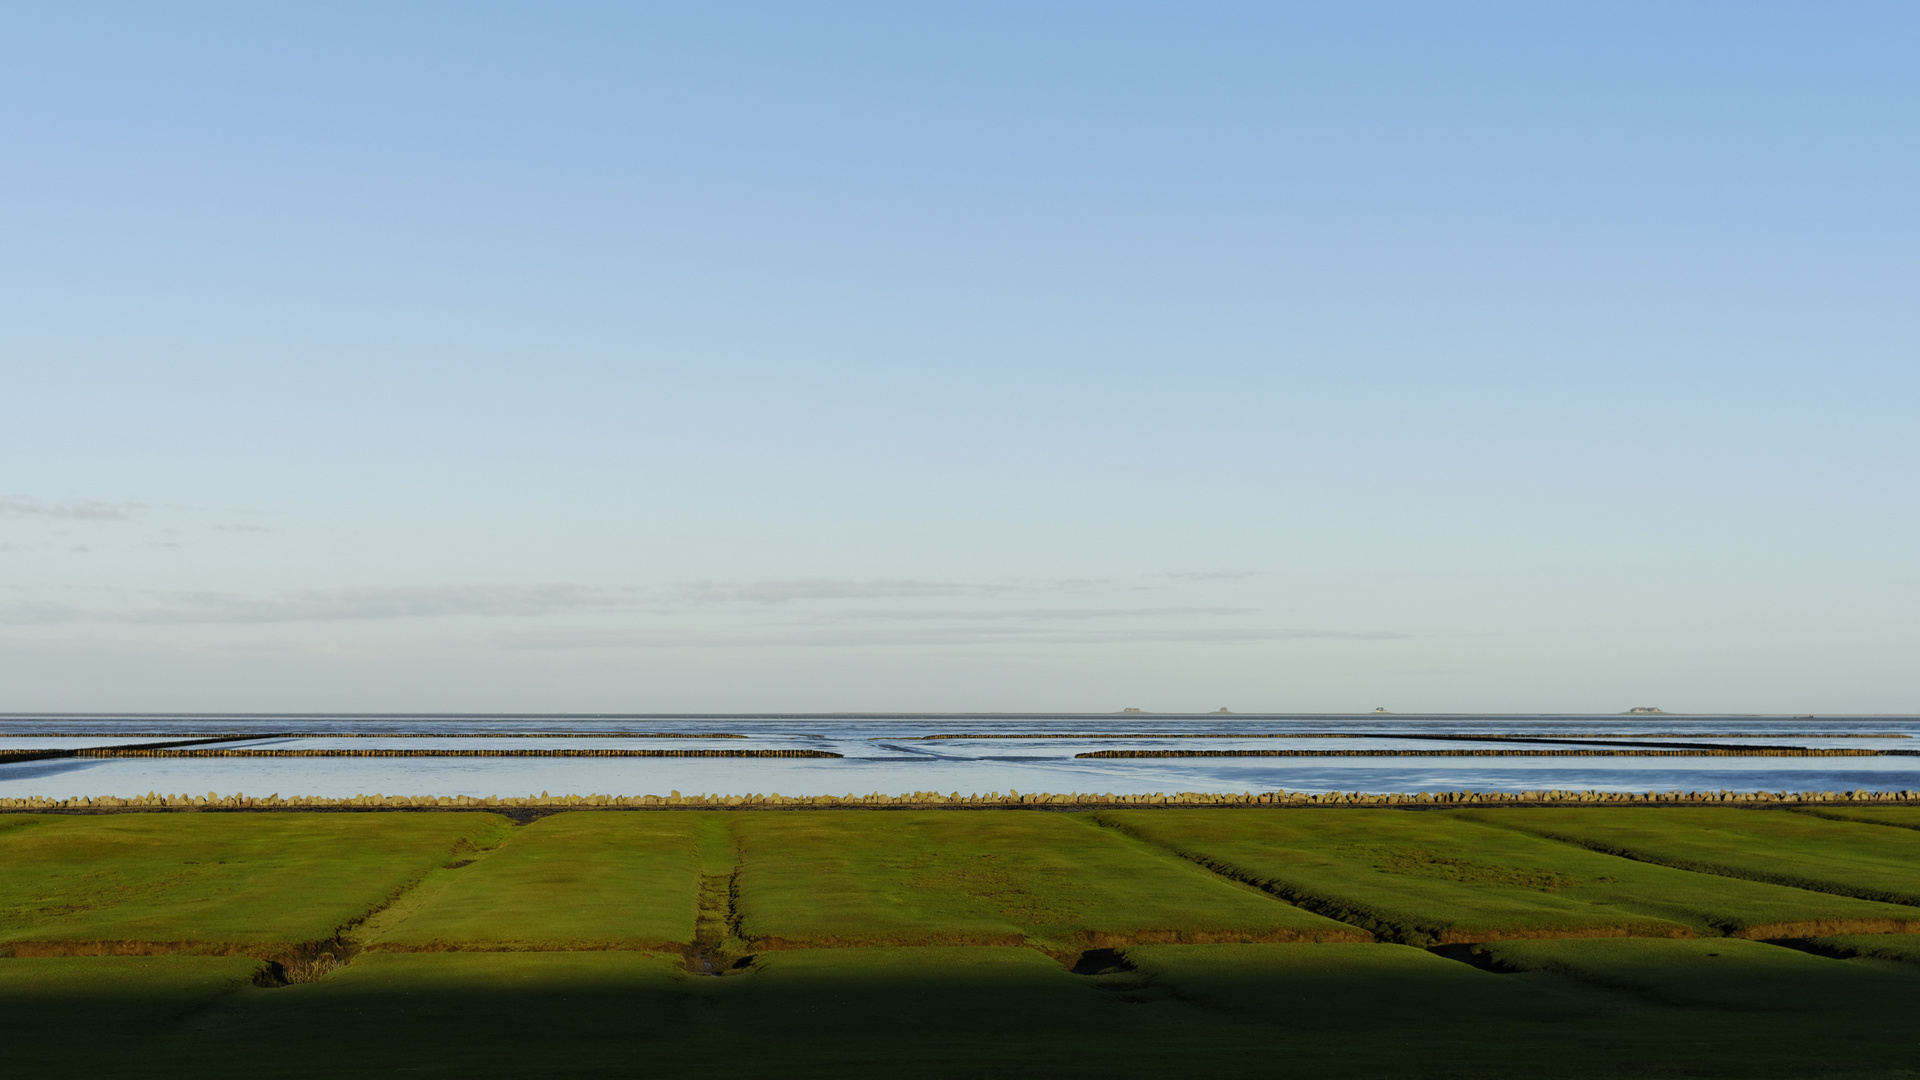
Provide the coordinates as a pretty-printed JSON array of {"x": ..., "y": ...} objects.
[{"x": 890, "y": 754}]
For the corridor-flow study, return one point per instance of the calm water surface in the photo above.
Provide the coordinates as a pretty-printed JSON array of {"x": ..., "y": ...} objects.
[{"x": 887, "y": 754}]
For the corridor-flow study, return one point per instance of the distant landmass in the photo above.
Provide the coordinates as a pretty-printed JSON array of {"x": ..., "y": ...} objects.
[{"x": 1646, "y": 710}]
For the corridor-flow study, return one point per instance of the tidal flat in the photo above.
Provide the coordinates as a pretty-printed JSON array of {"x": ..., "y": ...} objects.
[{"x": 1365, "y": 942}]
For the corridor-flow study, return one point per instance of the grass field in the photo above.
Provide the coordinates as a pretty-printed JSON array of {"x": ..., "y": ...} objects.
[
  {"x": 1746, "y": 976},
  {"x": 1844, "y": 857},
  {"x": 1632, "y": 1009},
  {"x": 1428, "y": 877},
  {"x": 1899, "y": 817},
  {"x": 1902, "y": 947},
  {"x": 575, "y": 938},
  {"x": 10, "y": 822},
  {"x": 571, "y": 881},
  {"x": 214, "y": 882},
  {"x": 988, "y": 877},
  {"x": 1386, "y": 1010},
  {"x": 1314, "y": 988},
  {"x": 55, "y": 1011}
]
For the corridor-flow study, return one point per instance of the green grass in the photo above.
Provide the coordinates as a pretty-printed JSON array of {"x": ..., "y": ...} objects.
[
  {"x": 212, "y": 882},
  {"x": 1591, "y": 1008},
  {"x": 1727, "y": 973},
  {"x": 628, "y": 885},
  {"x": 453, "y": 1014},
  {"x": 987, "y": 877},
  {"x": 942, "y": 1012},
  {"x": 1843, "y": 857},
  {"x": 9, "y": 822},
  {"x": 582, "y": 880},
  {"x": 1393, "y": 1010},
  {"x": 1732, "y": 1007},
  {"x": 1899, "y": 817},
  {"x": 951, "y": 1011},
  {"x": 1318, "y": 987},
  {"x": 1428, "y": 877},
  {"x": 1902, "y": 947},
  {"x": 59, "y": 1011}
]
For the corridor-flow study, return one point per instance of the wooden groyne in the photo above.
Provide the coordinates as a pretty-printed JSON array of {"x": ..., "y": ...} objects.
[
  {"x": 1714, "y": 751},
  {"x": 116, "y": 752}
]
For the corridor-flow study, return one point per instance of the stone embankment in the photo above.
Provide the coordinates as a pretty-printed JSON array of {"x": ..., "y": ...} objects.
[{"x": 934, "y": 800}]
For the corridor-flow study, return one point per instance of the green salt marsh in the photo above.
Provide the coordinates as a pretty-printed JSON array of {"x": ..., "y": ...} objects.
[
  {"x": 1433, "y": 877},
  {"x": 987, "y": 877},
  {"x": 215, "y": 881},
  {"x": 1849, "y": 858},
  {"x": 1747, "y": 976},
  {"x": 1902, "y": 947},
  {"x": 53, "y": 1009},
  {"x": 1898, "y": 817},
  {"x": 1589, "y": 1008},
  {"x": 570, "y": 881},
  {"x": 1077, "y": 945}
]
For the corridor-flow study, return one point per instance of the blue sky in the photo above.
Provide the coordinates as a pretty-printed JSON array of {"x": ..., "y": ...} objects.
[{"x": 1062, "y": 356}]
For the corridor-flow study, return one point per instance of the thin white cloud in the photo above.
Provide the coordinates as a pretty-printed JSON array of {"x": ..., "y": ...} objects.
[
  {"x": 71, "y": 509},
  {"x": 330, "y": 605},
  {"x": 816, "y": 604},
  {"x": 939, "y": 637},
  {"x": 785, "y": 592},
  {"x": 334, "y": 605},
  {"x": 32, "y": 614},
  {"x": 1039, "y": 614},
  {"x": 472, "y": 600}
]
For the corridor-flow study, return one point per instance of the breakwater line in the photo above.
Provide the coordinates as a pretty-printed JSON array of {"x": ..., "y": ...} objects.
[
  {"x": 8, "y": 757},
  {"x": 933, "y": 800},
  {"x": 118, "y": 752},
  {"x": 1713, "y": 751},
  {"x": 1601, "y": 738},
  {"x": 387, "y": 735}
]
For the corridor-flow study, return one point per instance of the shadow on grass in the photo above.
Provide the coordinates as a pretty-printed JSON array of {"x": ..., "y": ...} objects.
[{"x": 1349, "y": 1010}]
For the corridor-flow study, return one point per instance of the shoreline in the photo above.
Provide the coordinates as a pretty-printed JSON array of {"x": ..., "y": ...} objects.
[{"x": 1278, "y": 800}]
